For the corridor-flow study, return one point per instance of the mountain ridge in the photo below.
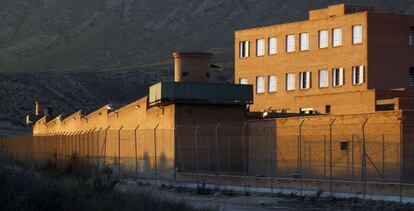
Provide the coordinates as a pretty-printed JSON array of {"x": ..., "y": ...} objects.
[{"x": 85, "y": 54}]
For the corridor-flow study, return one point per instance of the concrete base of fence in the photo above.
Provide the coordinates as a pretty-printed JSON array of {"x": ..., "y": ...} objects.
[{"x": 374, "y": 190}]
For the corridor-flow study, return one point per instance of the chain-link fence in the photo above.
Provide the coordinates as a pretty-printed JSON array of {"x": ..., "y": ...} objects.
[{"x": 357, "y": 158}]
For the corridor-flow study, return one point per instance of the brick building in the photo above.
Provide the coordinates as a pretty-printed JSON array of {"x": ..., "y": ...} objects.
[
  {"x": 335, "y": 89},
  {"x": 342, "y": 60}
]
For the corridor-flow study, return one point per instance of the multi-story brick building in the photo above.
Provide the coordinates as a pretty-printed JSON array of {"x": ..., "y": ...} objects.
[{"x": 343, "y": 60}]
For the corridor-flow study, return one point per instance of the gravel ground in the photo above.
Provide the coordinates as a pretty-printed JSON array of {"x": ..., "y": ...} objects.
[{"x": 229, "y": 200}]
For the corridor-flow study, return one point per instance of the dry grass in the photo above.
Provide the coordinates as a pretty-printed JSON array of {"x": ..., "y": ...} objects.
[{"x": 47, "y": 187}]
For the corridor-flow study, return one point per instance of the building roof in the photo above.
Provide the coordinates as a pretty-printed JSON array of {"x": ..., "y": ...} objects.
[{"x": 200, "y": 93}]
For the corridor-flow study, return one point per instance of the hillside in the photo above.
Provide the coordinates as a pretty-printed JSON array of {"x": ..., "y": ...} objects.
[
  {"x": 84, "y": 54},
  {"x": 60, "y": 35}
]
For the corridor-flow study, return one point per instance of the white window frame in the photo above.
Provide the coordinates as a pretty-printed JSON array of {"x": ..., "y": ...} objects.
[
  {"x": 260, "y": 84},
  {"x": 337, "y": 37},
  {"x": 338, "y": 77},
  {"x": 357, "y": 34},
  {"x": 243, "y": 81},
  {"x": 272, "y": 43},
  {"x": 323, "y": 36},
  {"x": 304, "y": 41},
  {"x": 244, "y": 49},
  {"x": 272, "y": 83},
  {"x": 260, "y": 47},
  {"x": 290, "y": 43},
  {"x": 323, "y": 78},
  {"x": 290, "y": 81},
  {"x": 358, "y": 75},
  {"x": 305, "y": 80}
]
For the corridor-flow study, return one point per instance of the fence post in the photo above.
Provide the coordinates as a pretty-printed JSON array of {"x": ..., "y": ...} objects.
[
  {"x": 353, "y": 158},
  {"x": 136, "y": 152},
  {"x": 95, "y": 154},
  {"x": 383, "y": 157},
  {"x": 155, "y": 156},
  {"x": 330, "y": 157},
  {"x": 217, "y": 152},
  {"x": 195, "y": 149},
  {"x": 119, "y": 152},
  {"x": 90, "y": 154},
  {"x": 244, "y": 158},
  {"x": 104, "y": 147},
  {"x": 300, "y": 157},
  {"x": 324, "y": 156},
  {"x": 364, "y": 158},
  {"x": 401, "y": 155},
  {"x": 177, "y": 152}
]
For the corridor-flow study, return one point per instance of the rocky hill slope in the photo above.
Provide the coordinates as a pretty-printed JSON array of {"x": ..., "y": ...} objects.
[{"x": 87, "y": 53}]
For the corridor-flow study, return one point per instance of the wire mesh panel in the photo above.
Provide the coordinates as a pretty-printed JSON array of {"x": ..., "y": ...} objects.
[{"x": 323, "y": 154}]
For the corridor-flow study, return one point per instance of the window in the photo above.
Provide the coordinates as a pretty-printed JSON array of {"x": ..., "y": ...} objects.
[
  {"x": 243, "y": 81},
  {"x": 304, "y": 41},
  {"x": 244, "y": 49},
  {"x": 272, "y": 83},
  {"x": 411, "y": 77},
  {"x": 260, "y": 47},
  {"x": 411, "y": 37},
  {"x": 290, "y": 43},
  {"x": 357, "y": 34},
  {"x": 338, "y": 77},
  {"x": 285, "y": 111},
  {"x": 307, "y": 111},
  {"x": 290, "y": 82},
  {"x": 305, "y": 80},
  {"x": 328, "y": 109},
  {"x": 358, "y": 75},
  {"x": 344, "y": 145},
  {"x": 323, "y": 78},
  {"x": 272, "y": 45},
  {"x": 337, "y": 37},
  {"x": 260, "y": 84},
  {"x": 323, "y": 39}
]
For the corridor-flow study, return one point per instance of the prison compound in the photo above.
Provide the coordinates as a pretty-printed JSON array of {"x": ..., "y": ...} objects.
[{"x": 327, "y": 97}]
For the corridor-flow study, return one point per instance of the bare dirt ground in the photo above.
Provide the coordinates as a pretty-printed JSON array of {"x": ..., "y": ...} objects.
[{"x": 229, "y": 200}]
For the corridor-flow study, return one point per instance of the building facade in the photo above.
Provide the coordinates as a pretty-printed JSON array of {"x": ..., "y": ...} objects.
[
  {"x": 339, "y": 84},
  {"x": 342, "y": 60}
]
